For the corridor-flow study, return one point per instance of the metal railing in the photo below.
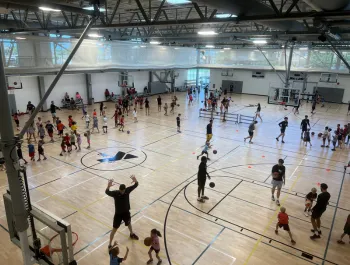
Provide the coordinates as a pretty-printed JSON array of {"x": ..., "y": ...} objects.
[{"x": 225, "y": 116}]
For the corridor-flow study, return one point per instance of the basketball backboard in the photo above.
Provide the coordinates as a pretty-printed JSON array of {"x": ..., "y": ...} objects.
[{"x": 329, "y": 78}]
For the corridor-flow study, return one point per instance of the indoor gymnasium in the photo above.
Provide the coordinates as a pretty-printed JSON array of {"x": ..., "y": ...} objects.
[{"x": 174, "y": 132}]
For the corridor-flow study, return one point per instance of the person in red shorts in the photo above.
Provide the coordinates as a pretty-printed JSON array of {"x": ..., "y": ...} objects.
[{"x": 283, "y": 221}]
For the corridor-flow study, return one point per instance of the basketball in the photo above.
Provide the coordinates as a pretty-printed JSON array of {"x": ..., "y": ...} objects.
[
  {"x": 313, "y": 133},
  {"x": 202, "y": 101},
  {"x": 128, "y": 132},
  {"x": 178, "y": 105},
  {"x": 215, "y": 152},
  {"x": 319, "y": 135},
  {"x": 15, "y": 83},
  {"x": 307, "y": 203},
  {"x": 212, "y": 185},
  {"x": 105, "y": 107},
  {"x": 217, "y": 113},
  {"x": 147, "y": 241},
  {"x": 85, "y": 134}
]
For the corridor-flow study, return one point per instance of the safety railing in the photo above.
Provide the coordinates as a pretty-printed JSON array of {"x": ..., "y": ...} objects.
[{"x": 225, "y": 116}]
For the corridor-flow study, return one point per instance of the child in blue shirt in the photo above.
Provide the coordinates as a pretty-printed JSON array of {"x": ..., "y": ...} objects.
[
  {"x": 114, "y": 252},
  {"x": 205, "y": 150}
]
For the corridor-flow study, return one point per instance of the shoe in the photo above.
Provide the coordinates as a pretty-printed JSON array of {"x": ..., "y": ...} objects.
[
  {"x": 306, "y": 214},
  {"x": 134, "y": 236},
  {"x": 45, "y": 158},
  {"x": 277, "y": 139},
  {"x": 273, "y": 198},
  {"x": 322, "y": 145},
  {"x": 333, "y": 149},
  {"x": 278, "y": 203},
  {"x": 319, "y": 232},
  {"x": 314, "y": 237},
  {"x": 201, "y": 200},
  {"x": 159, "y": 262},
  {"x": 293, "y": 242},
  {"x": 150, "y": 261},
  {"x": 250, "y": 142},
  {"x": 282, "y": 142},
  {"x": 245, "y": 139},
  {"x": 327, "y": 146},
  {"x": 61, "y": 155},
  {"x": 197, "y": 157},
  {"x": 39, "y": 159},
  {"x": 340, "y": 242},
  {"x": 276, "y": 232},
  {"x": 205, "y": 198}
]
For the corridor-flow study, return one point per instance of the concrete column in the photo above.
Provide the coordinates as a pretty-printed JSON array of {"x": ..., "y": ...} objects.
[
  {"x": 41, "y": 87},
  {"x": 89, "y": 89}
]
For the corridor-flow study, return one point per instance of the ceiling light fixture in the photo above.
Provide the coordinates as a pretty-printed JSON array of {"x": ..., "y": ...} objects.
[
  {"x": 154, "y": 42},
  {"x": 224, "y": 15},
  {"x": 207, "y": 32},
  {"x": 94, "y": 35},
  {"x": 44, "y": 8},
  {"x": 20, "y": 38},
  {"x": 91, "y": 8},
  {"x": 209, "y": 46},
  {"x": 178, "y": 2},
  {"x": 143, "y": 46},
  {"x": 259, "y": 41},
  {"x": 303, "y": 49},
  {"x": 227, "y": 48}
]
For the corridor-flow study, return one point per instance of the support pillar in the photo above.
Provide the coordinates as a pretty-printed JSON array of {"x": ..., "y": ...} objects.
[
  {"x": 41, "y": 87},
  {"x": 90, "y": 97},
  {"x": 197, "y": 76},
  {"x": 8, "y": 143},
  {"x": 289, "y": 66}
]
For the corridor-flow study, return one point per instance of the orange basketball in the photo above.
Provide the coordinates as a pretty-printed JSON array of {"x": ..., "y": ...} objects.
[{"x": 147, "y": 241}]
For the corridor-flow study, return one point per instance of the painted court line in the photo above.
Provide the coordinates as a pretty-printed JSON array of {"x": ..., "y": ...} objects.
[{"x": 200, "y": 242}]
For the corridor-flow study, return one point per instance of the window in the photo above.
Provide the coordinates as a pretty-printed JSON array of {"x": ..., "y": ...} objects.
[
  {"x": 60, "y": 52},
  {"x": 192, "y": 74},
  {"x": 104, "y": 53},
  {"x": 11, "y": 53}
]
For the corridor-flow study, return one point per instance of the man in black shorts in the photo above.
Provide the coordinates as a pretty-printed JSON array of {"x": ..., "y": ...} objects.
[
  {"x": 202, "y": 177},
  {"x": 251, "y": 131},
  {"x": 313, "y": 105},
  {"x": 159, "y": 100},
  {"x": 122, "y": 207},
  {"x": 30, "y": 107},
  {"x": 278, "y": 179},
  {"x": 303, "y": 126},
  {"x": 318, "y": 210},
  {"x": 283, "y": 125}
]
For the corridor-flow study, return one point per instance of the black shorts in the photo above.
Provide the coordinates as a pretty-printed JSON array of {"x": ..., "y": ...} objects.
[
  {"x": 204, "y": 152},
  {"x": 60, "y": 132},
  {"x": 201, "y": 184},
  {"x": 284, "y": 226},
  {"x": 283, "y": 130},
  {"x": 316, "y": 214},
  {"x": 313, "y": 108},
  {"x": 304, "y": 129},
  {"x": 17, "y": 122},
  {"x": 155, "y": 250},
  {"x": 251, "y": 133},
  {"x": 118, "y": 218}
]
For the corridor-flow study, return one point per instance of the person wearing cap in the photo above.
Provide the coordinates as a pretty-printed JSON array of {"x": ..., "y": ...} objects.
[
  {"x": 318, "y": 210},
  {"x": 303, "y": 126},
  {"x": 283, "y": 125},
  {"x": 122, "y": 207},
  {"x": 278, "y": 179}
]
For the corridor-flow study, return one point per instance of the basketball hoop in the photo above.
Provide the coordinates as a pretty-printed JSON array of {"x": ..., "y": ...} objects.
[{"x": 54, "y": 245}]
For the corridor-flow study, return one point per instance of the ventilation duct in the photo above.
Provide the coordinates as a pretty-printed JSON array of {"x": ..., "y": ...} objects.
[{"x": 327, "y": 5}]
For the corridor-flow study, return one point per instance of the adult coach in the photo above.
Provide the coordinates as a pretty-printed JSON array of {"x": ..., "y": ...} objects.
[
  {"x": 303, "y": 126},
  {"x": 278, "y": 179},
  {"x": 318, "y": 210},
  {"x": 30, "y": 107},
  {"x": 122, "y": 207},
  {"x": 159, "y": 100},
  {"x": 283, "y": 125},
  {"x": 209, "y": 130},
  {"x": 202, "y": 177},
  {"x": 53, "y": 108}
]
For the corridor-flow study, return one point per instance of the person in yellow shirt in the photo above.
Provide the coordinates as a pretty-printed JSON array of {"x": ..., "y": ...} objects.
[{"x": 74, "y": 127}]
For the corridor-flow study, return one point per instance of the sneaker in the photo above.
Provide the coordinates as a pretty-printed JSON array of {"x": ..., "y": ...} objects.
[
  {"x": 322, "y": 145},
  {"x": 45, "y": 158},
  {"x": 276, "y": 232},
  {"x": 273, "y": 198},
  {"x": 282, "y": 142},
  {"x": 306, "y": 214},
  {"x": 201, "y": 200},
  {"x": 197, "y": 157},
  {"x": 293, "y": 242},
  {"x": 333, "y": 149},
  {"x": 245, "y": 139},
  {"x": 134, "y": 236},
  {"x": 150, "y": 261},
  {"x": 327, "y": 146},
  {"x": 340, "y": 242},
  {"x": 277, "y": 139},
  {"x": 39, "y": 159},
  {"x": 205, "y": 198},
  {"x": 250, "y": 142},
  {"x": 314, "y": 237},
  {"x": 278, "y": 203},
  {"x": 159, "y": 262}
]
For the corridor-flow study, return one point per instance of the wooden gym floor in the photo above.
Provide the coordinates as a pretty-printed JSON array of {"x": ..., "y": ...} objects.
[{"x": 236, "y": 226}]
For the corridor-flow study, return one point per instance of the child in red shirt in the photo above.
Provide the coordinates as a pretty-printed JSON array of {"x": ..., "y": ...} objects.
[
  {"x": 70, "y": 121},
  {"x": 115, "y": 116},
  {"x": 121, "y": 124},
  {"x": 283, "y": 221}
]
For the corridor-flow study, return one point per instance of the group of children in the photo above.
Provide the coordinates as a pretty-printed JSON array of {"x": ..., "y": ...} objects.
[
  {"x": 114, "y": 250},
  {"x": 283, "y": 219}
]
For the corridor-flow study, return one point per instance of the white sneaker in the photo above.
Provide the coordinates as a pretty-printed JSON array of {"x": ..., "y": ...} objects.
[
  {"x": 278, "y": 203},
  {"x": 273, "y": 198}
]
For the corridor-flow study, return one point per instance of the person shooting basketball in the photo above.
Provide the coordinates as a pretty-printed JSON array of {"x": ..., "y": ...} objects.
[{"x": 122, "y": 207}]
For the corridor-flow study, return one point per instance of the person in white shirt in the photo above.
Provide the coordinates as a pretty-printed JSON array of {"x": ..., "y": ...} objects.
[
  {"x": 135, "y": 114},
  {"x": 325, "y": 136},
  {"x": 87, "y": 120},
  {"x": 105, "y": 124}
]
